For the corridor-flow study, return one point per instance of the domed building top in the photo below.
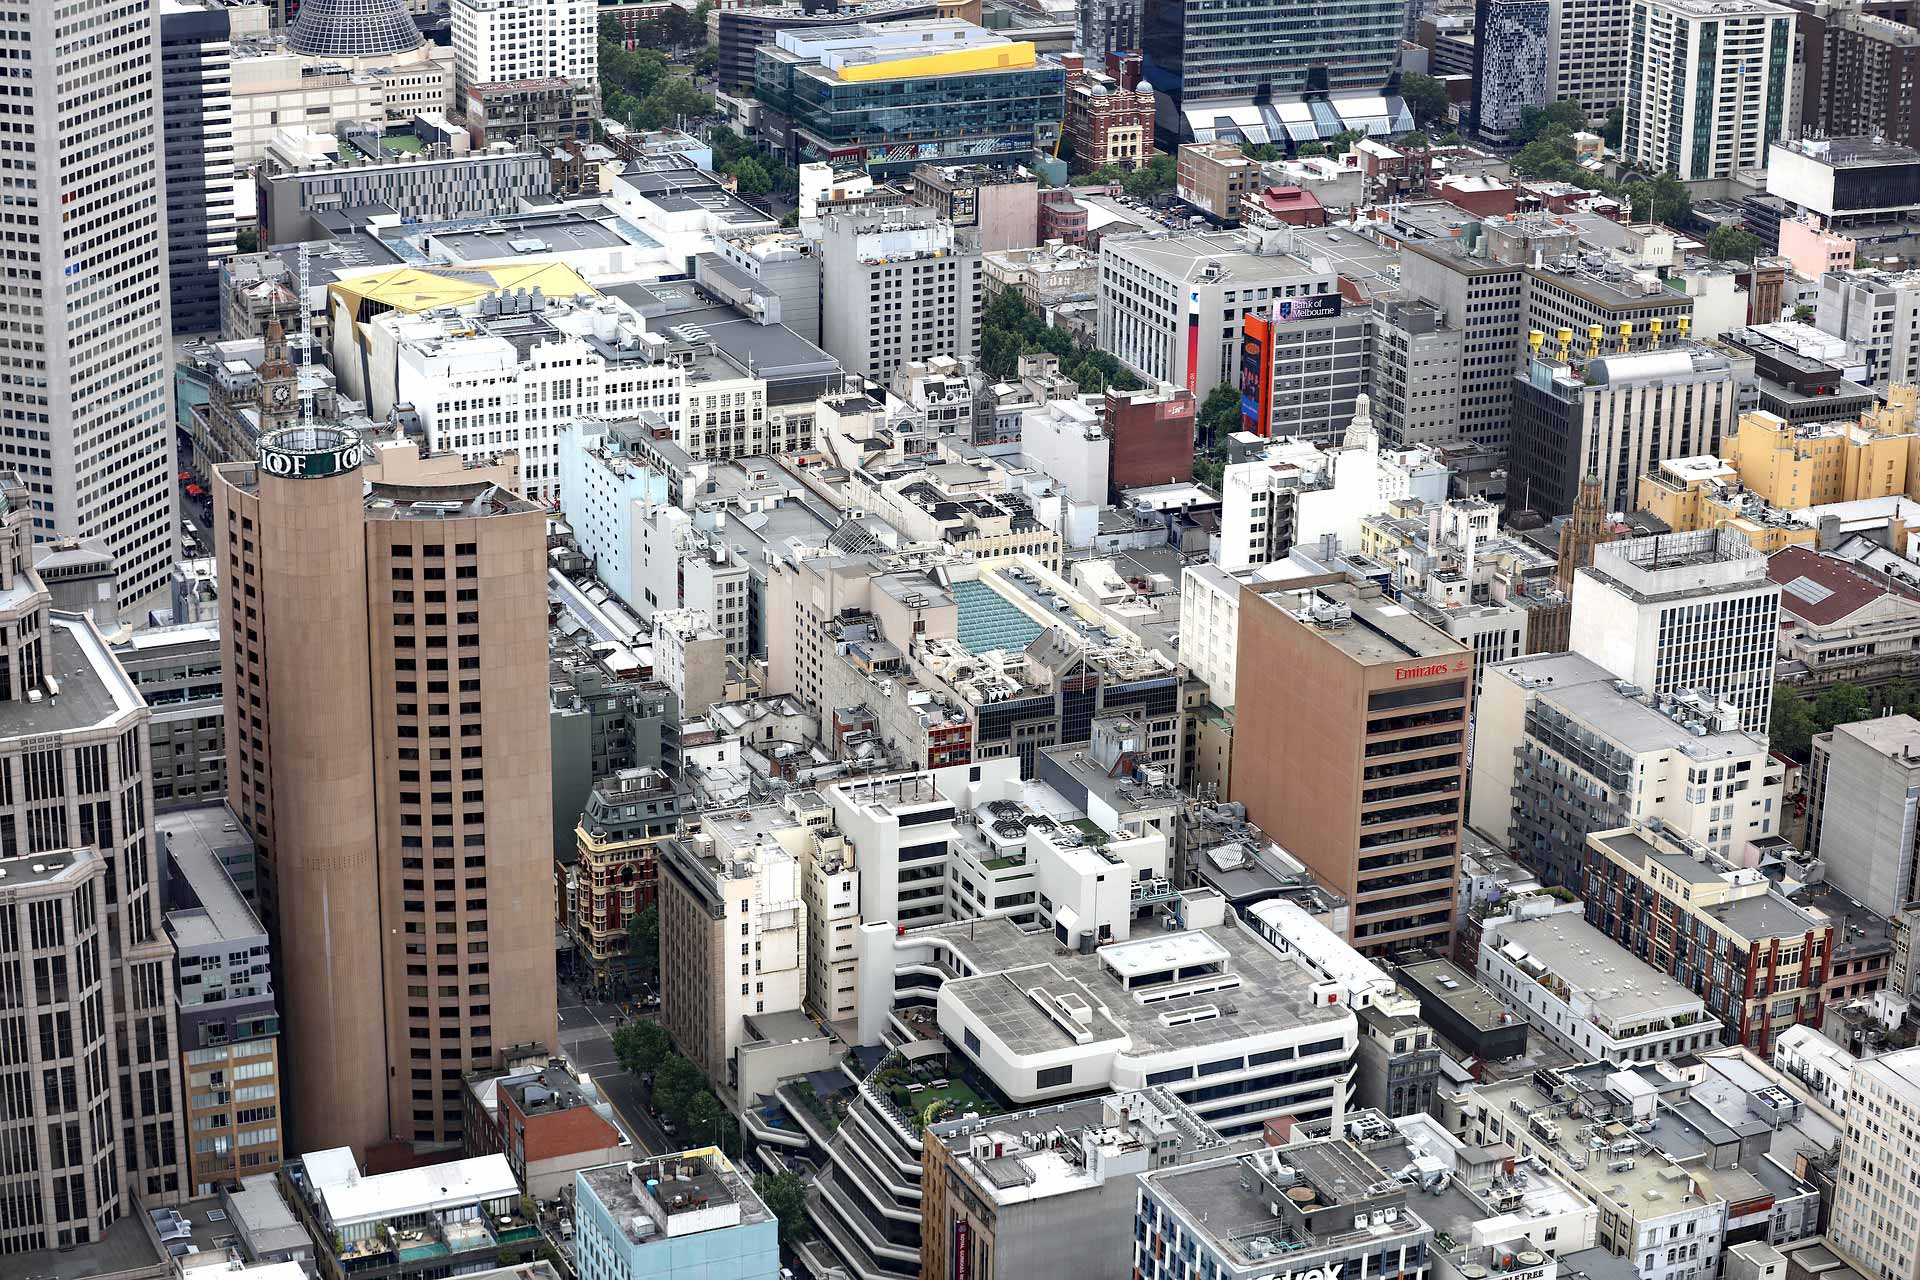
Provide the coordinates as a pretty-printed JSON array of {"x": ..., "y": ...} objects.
[{"x": 353, "y": 28}]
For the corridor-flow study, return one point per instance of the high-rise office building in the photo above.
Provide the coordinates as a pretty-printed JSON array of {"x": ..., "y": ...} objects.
[
  {"x": 1266, "y": 58},
  {"x": 1371, "y": 799},
  {"x": 387, "y": 749},
  {"x": 1512, "y": 63},
  {"x": 86, "y": 382},
  {"x": 1615, "y": 418},
  {"x": 87, "y": 1015},
  {"x": 196, "y": 83},
  {"x": 1586, "y": 54},
  {"x": 906, "y": 287},
  {"x": 1692, "y": 611},
  {"x": 1707, "y": 85},
  {"x": 1863, "y": 809}
]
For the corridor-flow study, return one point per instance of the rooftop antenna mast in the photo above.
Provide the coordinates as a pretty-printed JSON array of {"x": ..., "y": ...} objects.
[{"x": 305, "y": 341}]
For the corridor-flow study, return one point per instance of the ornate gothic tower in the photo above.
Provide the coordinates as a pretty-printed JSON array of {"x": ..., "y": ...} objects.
[
  {"x": 279, "y": 383},
  {"x": 1585, "y": 529}
]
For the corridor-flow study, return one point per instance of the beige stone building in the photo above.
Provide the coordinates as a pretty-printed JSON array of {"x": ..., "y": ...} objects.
[
  {"x": 388, "y": 751},
  {"x": 89, "y": 1082}
]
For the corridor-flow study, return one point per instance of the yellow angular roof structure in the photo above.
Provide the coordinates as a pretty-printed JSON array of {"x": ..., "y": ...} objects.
[{"x": 412, "y": 289}]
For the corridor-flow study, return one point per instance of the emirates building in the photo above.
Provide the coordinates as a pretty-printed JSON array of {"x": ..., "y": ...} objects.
[{"x": 386, "y": 645}]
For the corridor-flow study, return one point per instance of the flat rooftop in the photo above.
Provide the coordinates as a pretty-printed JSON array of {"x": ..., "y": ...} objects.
[
  {"x": 195, "y": 839},
  {"x": 93, "y": 688},
  {"x": 1620, "y": 985},
  {"x": 700, "y": 1179},
  {"x": 1466, "y": 997},
  {"x": 1274, "y": 995},
  {"x": 124, "y": 1251},
  {"x": 1588, "y": 693},
  {"x": 1367, "y": 627}
]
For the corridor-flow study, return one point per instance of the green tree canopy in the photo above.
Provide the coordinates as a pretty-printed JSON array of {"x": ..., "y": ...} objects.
[
  {"x": 1615, "y": 125},
  {"x": 641, "y": 1046},
  {"x": 1154, "y": 178},
  {"x": 1564, "y": 116},
  {"x": 643, "y": 939},
  {"x": 705, "y": 1118},
  {"x": 1663, "y": 199},
  {"x": 1219, "y": 415},
  {"x": 1426, "y": 97},
  {"x": 785, "y": 1195},
  {"x": 751, "y": 176},
  {"x": 1731, "y": 244},
  {"x": 675, "y": 1086}
]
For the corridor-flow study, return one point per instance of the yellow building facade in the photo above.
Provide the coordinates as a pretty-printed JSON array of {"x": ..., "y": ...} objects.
[{"x": 1796, "y": 467}]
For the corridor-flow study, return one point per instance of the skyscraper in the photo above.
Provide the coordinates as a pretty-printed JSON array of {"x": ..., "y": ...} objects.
[
  {"x": 85, "y": 379},
  {"x": 388, "y": 752},
  {"x": 1256, "y": 63},
  {"x": 90, "y": 1086},
  {"x": 1706, "y": 85},
  {"x": 197, "y": 104}
]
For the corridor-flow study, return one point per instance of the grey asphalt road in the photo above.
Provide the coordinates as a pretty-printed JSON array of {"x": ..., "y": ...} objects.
[{"x": 586, "y": 1039}]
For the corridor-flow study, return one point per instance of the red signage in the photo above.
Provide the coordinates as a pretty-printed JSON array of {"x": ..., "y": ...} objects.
[{"x": 1425, "y": 670}]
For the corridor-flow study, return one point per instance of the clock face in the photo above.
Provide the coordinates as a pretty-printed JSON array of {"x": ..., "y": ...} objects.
[{"x": 282, "y": 396}]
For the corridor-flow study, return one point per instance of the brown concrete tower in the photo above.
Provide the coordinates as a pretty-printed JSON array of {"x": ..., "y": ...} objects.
[
  {"x": 387, "y": 628},
  {"x": 288, "y": 536},
  {"x": 1350, "y": 749}
]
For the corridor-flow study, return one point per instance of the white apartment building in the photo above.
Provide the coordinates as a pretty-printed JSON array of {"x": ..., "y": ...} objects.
[
  {"x": 690, "y": 658},
  {"x": 733, "y": 929},
  {"x": 898, "y": 285},
  {"x": 1585, "y": 992},
  {"x": 1298, "y": 495},
  {"x": 606, "y": 488},
  {"x": 1874, "y": 1220},
  {"x": 1878, "y": 311},
  {"x": 972, "y": 842},
  {"x": 1210, "y": 626},
  {"x": 86, "y": 365},
  {"x": 491, "y": 384},
  {"x": 677, "y": 564},
  {"x": 1683, "y": 611},
  {"x": 499, "y": 40},
  {"x": 1817, "y": 1062},
  {"x": 1564, "y": 747},
  {"x": 1707, "y": 85},
  {"x": 1064, "y": 439}
]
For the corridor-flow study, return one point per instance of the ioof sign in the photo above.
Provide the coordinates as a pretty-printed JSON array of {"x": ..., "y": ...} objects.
[{"x": 326, "y": 462}]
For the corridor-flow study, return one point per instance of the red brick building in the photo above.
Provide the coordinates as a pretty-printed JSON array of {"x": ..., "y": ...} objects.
[
  {"x": 1294, "y": 206},
  {"x": 1109, "y": 114},
  {"x": 1062, "y": 217},
  {"x": 1151, "y": 434},
  {"x": 546, "y": 1123}
]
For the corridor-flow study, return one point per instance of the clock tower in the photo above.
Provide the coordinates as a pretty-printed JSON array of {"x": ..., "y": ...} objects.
[{"x": 279, "y": 382}]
